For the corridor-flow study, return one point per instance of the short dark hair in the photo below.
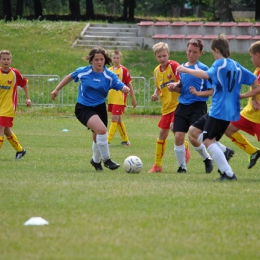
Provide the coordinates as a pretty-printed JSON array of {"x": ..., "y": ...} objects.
[
  {"x": 196, "y": 42},
  {"x": 96, "y": 50},
  {"x": 222, "y": 44}
]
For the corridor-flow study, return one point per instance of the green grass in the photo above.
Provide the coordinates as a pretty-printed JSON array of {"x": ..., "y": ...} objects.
[{"x": 115, "y": 215}]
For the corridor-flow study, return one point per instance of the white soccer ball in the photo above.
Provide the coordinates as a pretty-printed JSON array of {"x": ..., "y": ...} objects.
[{"x": 133, "y": 164}]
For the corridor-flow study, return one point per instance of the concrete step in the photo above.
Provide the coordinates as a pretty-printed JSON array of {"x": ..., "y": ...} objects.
[{"x": 112, "y": 34}]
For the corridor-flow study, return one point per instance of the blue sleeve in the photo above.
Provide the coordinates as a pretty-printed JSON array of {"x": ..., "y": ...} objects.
[{"x": 75, "y": 73}]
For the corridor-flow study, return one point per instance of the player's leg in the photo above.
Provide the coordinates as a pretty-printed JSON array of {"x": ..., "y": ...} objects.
[{"x": 114, "y": 122}]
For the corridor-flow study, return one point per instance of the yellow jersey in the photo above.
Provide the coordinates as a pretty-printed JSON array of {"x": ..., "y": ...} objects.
[
  {"x": 248, "y": 111},
  {"x": 117, "y": 97},
  {"x": 9, "y": 81},
  {"x": 169, "y": 100}
]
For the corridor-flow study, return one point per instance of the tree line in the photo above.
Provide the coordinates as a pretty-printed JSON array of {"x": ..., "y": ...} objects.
[{"x": 124, "y": 10}]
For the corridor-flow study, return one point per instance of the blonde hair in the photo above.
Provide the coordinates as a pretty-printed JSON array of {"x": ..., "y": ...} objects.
[
  {"x": 254, "y": 47},
  {"x": 5, "y": 52},
  {"x": 160, "y": 46},
  {"x": 117, "y": 52}
]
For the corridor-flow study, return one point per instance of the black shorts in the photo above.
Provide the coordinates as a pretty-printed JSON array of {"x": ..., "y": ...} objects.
[
  {"x": 211, "y": 127},
  {"x": 186, "y": 115},
  {"x": 84, "y": 113}
]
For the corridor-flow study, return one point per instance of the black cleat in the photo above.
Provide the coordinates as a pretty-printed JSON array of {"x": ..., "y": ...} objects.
[
  {"x": 19, "y": 155},
  {"x": 181, "y": 170},
  {"x": 253, "y": 159},
  {"x": 224, "y": 177},
  {"x": 111, "y": 165},
  {"x": 97, "y": 166},
  {"x": 208, "y": 165},
  {"x": 229, "y": 153}
]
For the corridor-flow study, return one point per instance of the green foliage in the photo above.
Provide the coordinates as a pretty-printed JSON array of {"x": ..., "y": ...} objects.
[{"x": 114, "y": 215}]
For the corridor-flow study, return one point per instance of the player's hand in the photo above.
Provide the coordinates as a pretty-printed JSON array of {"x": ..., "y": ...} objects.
[
  {"x": 256, "y": 104},
  {"x": 134, "y": 103},
  {"x": 125, "y": 89},
  {"x": 172, "y": 86},
  {"x": 193, "y": 91},
  {"x": 181, "y": 68},
  {"x": 154, "y": 97},
  {"x": 28, "y": 102},
  {"x": 54, "y": 94}
]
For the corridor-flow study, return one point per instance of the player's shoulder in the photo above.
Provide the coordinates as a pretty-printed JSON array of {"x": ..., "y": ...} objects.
[
  {"x": 202, "y": 66},
  {"x": 173, "y": 63}
]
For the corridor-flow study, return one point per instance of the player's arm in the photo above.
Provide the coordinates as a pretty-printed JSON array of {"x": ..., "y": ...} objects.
[
  {"x": 155, "y": 94},
  {"x": 63, "y": 83},
  {"x": 175, "y": 87},
  {"x": 196, "y": 73},
  {"x": 132, "y": 93},
  {"x": 205, "y": 93},
  {"x": 255, "y": 91},
  {"x": 28, "y": 101}
]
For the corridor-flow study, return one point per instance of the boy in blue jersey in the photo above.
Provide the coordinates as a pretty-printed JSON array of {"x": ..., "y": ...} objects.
[
  {"x": 95, "y": 82},
  {"x": 191, "y": 107},
  {"x": 228, "y": 76}
]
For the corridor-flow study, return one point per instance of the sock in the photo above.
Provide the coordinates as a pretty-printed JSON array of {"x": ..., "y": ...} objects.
[
  {"x": 1, "y": 140},
  {"x": 159, "y": 151},
  {"x": 112, "y": 131},
  {"x": 14, "y": 142},
  {"x": 202, "y": 151},
  {"x": 200, "y": 138},
  {"x": 221, "y": 146},
  {"x": 96, "y": 153},
  {"x": 102, "y": 145},
  {"x": 122, "y": 131},
  {"x": 180, "y": 155},
  {"x": 240, "y": 141},
  {"x": 220, "y": 159}
]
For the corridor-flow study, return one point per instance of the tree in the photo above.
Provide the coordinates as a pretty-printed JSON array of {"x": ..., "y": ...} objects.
[
  {"x": 74, "y": 7},
  {"x": 37, "y": 8},
  {"x": 90, "y": 9},
  {"x": 128, "y": 10},
  {"x": 7, "y": 10},
  {"x": 257, "y": 10},
  {"x": 19, "y": 8},
  {"x": 225, "y": 12}
]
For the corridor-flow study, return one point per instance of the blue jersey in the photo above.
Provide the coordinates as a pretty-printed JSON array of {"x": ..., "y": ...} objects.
[
  {"x": 187, "y": 80},
  {"x": 228, "y": 76},
  {"x": 94, "y": 86}
]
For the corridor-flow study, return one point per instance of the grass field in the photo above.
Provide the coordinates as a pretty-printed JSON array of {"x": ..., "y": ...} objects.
[{"x": 113, "y": 215}]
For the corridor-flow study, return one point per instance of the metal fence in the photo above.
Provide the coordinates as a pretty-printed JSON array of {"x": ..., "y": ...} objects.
[{"x": 41, "y": 86}]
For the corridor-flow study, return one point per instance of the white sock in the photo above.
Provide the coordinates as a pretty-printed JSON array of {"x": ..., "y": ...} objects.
[
  {"x": 96, "y": 153},
  {"x": 103, "y": 146},
  {"x": 221, "y": 146},
  {"x": 180, "y": 155},
  {"x": 202, "y": 151},
  {"x": 220, "y": 159},
  {"x": 200, "y": 138}
]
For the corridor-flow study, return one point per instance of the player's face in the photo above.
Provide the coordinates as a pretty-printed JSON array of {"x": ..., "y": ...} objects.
[
  {"x": 162, "y": 57},
  {"x": 255, "y": 58},
  {"x": 193, "y": 54},
  {"x": 5, "y": 61},
  {"x": 98, "y": 62},
  {"x": 116, "y": 59}
]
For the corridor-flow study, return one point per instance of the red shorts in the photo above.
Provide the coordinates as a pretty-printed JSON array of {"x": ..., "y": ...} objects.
[
  {"x": 166, "y": 121},
  {"x": 117, "y": 110},
  {"x": 248, "y": 127},
  {"x": 6, "y": 121}
]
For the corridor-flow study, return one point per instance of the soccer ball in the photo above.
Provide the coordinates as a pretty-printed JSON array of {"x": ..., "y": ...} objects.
[{"x": 133, "y": 164}]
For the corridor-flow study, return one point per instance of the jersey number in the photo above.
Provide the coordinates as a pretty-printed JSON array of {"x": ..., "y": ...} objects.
[{"x": 231, "y": 80}]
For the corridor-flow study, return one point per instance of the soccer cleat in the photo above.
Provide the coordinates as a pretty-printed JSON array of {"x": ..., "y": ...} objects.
[
  {"x": 111, "y": 165},
  {"x": 181, "y": 170},
  {"x": 97, "y": 166},
  {"x": 187, "y": 151},
  {"x": 125, "y": 143},
  {"x": 155, "y": 168},
  {"x": 229, "y": 153},
  {"x": 253, "y": 159},
  {"x": 208, "y": 165},
  {"x": 19, "y": 155},
  {"x": 224, "y": 177}
]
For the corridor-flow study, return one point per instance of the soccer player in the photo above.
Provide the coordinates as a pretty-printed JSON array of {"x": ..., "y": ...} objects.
[
  {"x": 191, "y": 106},
  {"x": 10, "y": 79},
  {"x": 164, "y": 73},
  {"x": 95, "y": 82},
  {"x": 249, "y": 120},
  {"x": 228, "y": 76},
  {"x": 118, "y": 101}
]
